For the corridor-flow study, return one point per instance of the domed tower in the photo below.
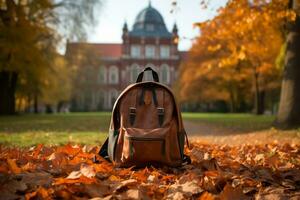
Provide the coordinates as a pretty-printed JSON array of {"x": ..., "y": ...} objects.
[
  {"x": 150, "y": 43},
  {"x": 150, "y": 23}
]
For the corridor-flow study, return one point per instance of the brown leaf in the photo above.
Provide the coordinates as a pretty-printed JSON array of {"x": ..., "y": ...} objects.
[
  {"x": 125, "y": 184},
  {"x": 96, "y": 190},
  {"x": 35, "y": 179},
  {"x": 11, "y": 187},
  {"x": 230, "y": 193},
  {"x": 209, "y": 165},
  {"x": 188, "y": 189}
]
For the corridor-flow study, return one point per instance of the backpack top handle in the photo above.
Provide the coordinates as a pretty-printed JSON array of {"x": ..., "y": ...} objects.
[{"x": 141, "y": 75}]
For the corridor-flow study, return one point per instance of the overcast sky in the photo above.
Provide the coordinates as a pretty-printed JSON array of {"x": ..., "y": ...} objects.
[{"x": 115, "y": 12}]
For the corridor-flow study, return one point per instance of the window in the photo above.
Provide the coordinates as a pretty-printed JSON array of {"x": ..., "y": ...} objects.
[
  {"x": 88, "y": 74},
  {"x": 150, "y": 51},
  {"x": 101, "y": 100},
  {"x": 113, "y": 95},
  {"x": 135, "y": 51},
  {"x": 134, "y": 72},
  {"x": 113, "y": 75},
  {"x": 165, "y": 74},
  {"x": 102, "y": 73},
  {"x": 164, "y": 51},
  {"x": 81, "y": 100}
]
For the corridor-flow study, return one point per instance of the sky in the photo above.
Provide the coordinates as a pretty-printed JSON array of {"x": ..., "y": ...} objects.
[{"x": 114, "y": 13}]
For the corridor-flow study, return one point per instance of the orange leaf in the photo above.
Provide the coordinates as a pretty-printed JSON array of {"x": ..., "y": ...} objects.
[
  {"x": 114, "y": 178},
  {"x": 81, "y": 179},
  {"x": 28, "y": 196},
  {"x": 207, "y": 196},
  {"x": 13, "y": 167},
  {"x": 37, "y": 150}
]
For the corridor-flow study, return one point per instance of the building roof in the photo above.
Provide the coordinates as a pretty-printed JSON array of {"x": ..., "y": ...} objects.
[
  {"x": 103, "y": 50},
  {"x": 150, "y": 23}
]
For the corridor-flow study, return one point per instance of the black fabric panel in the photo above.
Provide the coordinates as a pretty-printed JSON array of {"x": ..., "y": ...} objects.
[
  {"x": 112, "y": 141},
  {"x": 103, "y": 151}
]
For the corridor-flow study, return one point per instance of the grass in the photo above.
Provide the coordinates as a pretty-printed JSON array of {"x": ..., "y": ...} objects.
[
  {"x": 55, "y": 129},
  {"x": 92, "y": 128},
  {"x": 238, "y": 122}
]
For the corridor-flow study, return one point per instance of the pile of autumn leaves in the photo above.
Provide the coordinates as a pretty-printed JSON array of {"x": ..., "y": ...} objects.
[{"x": 217, "y": 172}]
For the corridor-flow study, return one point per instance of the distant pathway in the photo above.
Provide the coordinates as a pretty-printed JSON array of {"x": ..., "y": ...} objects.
[
  {"x": 196, "y": 129},
  {"x": 208, "y": 133}
]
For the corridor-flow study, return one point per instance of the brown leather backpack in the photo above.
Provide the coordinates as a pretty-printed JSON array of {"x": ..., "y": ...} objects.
[{"x": 146, "y": 127}]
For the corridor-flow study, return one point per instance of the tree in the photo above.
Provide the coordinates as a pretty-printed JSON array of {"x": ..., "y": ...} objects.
[
  {"x": 246, "y": 37},
  {"x": 30, "y": 34},
  {"x": 289, "y": 108}
]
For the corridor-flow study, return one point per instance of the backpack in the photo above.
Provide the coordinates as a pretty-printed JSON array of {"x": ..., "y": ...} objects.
[{"x": 146, "y": 127}]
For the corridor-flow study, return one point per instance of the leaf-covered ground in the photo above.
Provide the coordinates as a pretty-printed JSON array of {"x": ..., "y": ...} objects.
[{"x": 217, "y": 172}]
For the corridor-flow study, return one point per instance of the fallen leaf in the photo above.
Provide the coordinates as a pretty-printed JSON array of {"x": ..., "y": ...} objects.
[
  {"x": 37, "y": 151},
  {"x": 207, "y": 196},
  {"x": 189, "y": 189},
  {"x": 87, "y": 170},
  {"x": 74, "y": 175},
  {"x": 114, "y": 178},
  {"x": 13, "y": 167},
  {"x": 126, "y": 183},
  {"x": 230, "y": 193}
]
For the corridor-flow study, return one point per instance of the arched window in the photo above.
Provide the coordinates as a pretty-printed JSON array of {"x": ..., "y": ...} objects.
[
  {"x": 165, "y": 74},
  {"x": 88, "y": 74},
  {"x": 113, "y": 95},
  {"x": 148, "y": 74},
  {"x": 134, "y": 72},
  {"x": 81, "y": 99},
  {"x": 101, "y": 100},
  {"x": 113, "y": 75},
  {"x": 102, "y": 74}
]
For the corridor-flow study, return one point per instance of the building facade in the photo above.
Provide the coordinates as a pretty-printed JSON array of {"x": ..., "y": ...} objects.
[{"x": 104, "y": 70}]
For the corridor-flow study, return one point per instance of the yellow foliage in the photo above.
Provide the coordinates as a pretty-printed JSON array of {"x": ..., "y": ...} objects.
[{"x": 241, "y": 42}]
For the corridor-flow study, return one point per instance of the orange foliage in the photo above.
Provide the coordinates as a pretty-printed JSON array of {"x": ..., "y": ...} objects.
[
  {"x": 217, "y": 172},
  {"x": 238, "y": 45}
]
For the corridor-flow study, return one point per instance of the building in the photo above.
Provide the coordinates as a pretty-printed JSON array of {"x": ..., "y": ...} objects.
[{"x": 104, "y": 70}]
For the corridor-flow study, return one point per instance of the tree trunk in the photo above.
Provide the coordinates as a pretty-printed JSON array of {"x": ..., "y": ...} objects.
[
  {"x": 8, "y": 84},
  {"x": 261, "y": 105},
  {"x": 258, "y": 103},
  {"x": 232, "y": 102},
  {"x": 35, "y": 104},
  {"x": 289, "y": 107}
]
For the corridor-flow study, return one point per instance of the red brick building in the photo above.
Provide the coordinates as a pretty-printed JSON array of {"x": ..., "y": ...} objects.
[{"x": 104, "y": 70}]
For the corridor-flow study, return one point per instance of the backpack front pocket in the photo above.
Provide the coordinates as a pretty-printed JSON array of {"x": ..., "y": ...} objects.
[{"x": 142, "y": 146}]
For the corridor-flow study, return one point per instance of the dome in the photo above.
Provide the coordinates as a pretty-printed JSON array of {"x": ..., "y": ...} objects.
[{"x": 150, "y": 23}]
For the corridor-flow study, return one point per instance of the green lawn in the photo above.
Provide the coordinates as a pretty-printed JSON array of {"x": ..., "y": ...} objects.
[
  {"x": 91, "y": 128},
  {"x": 238, "y": 122},
  {"x": 79, "y": 128}
]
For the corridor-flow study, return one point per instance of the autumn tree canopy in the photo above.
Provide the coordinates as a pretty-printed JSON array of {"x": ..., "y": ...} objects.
[
  {"x": 236, "y": 52},
  {"x": 30, "y": 34}
]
